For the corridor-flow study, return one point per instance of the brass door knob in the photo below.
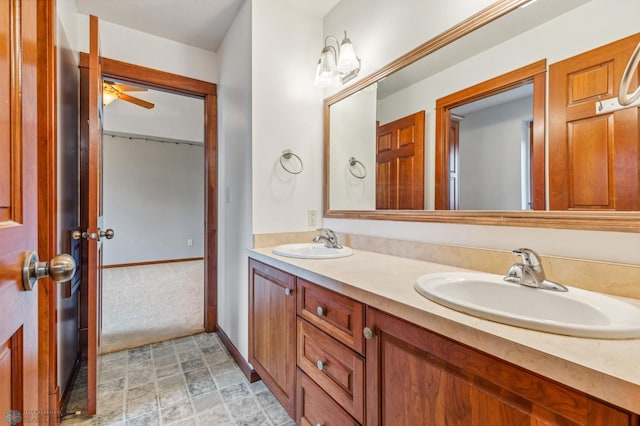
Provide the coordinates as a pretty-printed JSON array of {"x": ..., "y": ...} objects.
[{"x": 60, "y": 268}]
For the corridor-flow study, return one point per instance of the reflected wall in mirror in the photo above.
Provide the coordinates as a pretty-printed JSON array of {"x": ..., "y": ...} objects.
[
  {"x": 490, "y": 152},
  {"x": 490, "y": 149},
  {"x": 545, "y": 30}
]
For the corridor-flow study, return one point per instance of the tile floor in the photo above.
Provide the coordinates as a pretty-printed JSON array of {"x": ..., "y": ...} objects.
[{"x": 187, "y": 381}]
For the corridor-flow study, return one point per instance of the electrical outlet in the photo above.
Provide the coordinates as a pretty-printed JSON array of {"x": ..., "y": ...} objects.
[
  {"x": 189, "y": 242},
  {"x": 312, "y": 217}
]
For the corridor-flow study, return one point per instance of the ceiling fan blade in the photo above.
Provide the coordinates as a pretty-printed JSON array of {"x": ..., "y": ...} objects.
[
  {"x": 137, "y": 101},
  {"x": 129, "y": 88},
  {"x": 121, "y": 87}
]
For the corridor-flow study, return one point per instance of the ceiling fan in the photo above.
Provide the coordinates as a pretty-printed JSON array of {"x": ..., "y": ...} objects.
[{"x": 112, "y": 91}]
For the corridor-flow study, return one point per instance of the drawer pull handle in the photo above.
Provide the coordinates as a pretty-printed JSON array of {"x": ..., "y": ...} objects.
[
  {"x": 320, "y": 365},
  {"x": 320, "y": 311},
  {"x": 287, "y": 291},
  {"x": 368, "y": 333}
]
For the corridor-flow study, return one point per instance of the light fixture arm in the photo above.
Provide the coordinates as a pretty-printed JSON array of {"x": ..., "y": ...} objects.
[{"x": 336, "y": 50}]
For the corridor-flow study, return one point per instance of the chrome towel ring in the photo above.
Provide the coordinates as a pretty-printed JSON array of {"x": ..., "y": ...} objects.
[
  {"x": 624, "y": 97},
  {"x": 286, "y": 155},
  {"x": 353, "y": 162}
]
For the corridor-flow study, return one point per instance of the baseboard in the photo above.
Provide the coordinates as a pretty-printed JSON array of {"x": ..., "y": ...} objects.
[
  {"x": 153, "y": 262},
  {"x": 248, "y": 371}
]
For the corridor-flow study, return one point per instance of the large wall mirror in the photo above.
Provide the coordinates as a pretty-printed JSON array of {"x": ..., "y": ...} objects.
[{"x": 462, "y": 129}]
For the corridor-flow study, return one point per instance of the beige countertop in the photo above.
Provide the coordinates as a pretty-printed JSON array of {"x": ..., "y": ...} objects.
[{"x": 606, "y": 369}]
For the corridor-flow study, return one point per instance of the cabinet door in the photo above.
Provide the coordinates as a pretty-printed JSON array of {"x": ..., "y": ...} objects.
[
  {"x": 416, "y": 377},
  {"x": 272, "y": 330}
]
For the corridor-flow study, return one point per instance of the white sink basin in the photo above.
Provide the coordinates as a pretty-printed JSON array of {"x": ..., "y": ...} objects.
[
  {"x": 311, "y": 251},
  {"x": 578, "y": 312}
]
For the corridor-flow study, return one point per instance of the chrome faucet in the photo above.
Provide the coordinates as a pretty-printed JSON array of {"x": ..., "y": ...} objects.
[
  {"x": 328, "y": 237},
  {"x": 530, "y": 273}
]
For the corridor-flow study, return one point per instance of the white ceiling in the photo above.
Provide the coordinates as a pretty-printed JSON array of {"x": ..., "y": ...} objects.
[{"x": 199, "y": 23}]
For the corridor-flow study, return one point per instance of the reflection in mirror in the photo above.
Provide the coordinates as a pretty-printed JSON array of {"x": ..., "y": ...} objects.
[
  {"x": 490, "y": 144},
  {"x": 543, "y": 30},
  {"x": 352, "y": 134},
  {"x": 490, "y": 152}
]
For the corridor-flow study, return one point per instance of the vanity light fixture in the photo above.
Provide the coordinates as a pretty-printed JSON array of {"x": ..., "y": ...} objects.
[{"x": 339, "y": 62}]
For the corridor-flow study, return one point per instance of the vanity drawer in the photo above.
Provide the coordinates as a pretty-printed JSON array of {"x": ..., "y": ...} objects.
[
  {"x": 338, "y": 315},
  {"x": 338, "y": 370},
  {"x": 315, "y": 407}
]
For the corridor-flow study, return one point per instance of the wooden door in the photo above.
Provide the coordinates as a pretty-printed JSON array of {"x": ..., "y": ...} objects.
[
  {"x": 18, "y": 211},
  {"x": 91, "y": 210},
  {"x": 272, "y": 330},
  {"x": 593, "y": 158},
  {"x": 400, "y": 163}
]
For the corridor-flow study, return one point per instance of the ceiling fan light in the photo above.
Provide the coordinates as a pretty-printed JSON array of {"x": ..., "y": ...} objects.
[{"x": 107, "y": 98}]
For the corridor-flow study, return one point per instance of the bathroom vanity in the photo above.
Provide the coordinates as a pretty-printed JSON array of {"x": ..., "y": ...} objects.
[{"x": 349, "y": 341}]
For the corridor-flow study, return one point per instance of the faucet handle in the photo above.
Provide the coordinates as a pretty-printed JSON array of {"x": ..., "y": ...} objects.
[
  {"x": 329, "y": 234},
  {"x": 529, "y": 257}
]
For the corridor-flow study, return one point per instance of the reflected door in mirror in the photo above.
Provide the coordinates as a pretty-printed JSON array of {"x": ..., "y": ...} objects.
[
  {"x": 593, "y": 158},
  {"x": 400, "y": 164},
  {"x": 454, "y": 164}
]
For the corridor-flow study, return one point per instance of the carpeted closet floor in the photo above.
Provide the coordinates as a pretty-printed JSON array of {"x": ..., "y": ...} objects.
[{"x": 151, "y": 303}]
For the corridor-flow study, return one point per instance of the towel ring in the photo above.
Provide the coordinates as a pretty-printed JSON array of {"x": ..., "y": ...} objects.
[
  {"x": 624, "y": 97},
  {"x": 286, "y": 155},
  {"x": 352, "y": 162}
]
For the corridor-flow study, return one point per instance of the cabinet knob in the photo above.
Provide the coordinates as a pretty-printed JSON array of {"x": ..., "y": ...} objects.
[
  {"x": 320, "y": 311},
  {"x": 287, "y": 291},
  {"x": 368, "y": 333},
  {"x": 320, "y": 365}
]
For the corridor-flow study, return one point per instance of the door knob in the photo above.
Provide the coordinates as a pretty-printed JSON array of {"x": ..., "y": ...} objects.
[
  {"x": 108, "y": 234},
  {"x": 60, "y": 268},
  {"x": 76, "y": 235}
]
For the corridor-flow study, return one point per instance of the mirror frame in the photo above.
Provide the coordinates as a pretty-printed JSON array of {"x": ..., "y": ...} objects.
[{"x": 583, "y": 220}]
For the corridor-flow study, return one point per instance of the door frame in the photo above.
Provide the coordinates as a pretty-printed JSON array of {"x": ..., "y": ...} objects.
[
  {"x": 174, "y": 83},
  {"x": 533, "y": 73},
  {"x": 48, "y": 389}
]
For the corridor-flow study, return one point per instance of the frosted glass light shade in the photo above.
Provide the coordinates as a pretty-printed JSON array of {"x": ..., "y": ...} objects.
[
  {"x": 348, "y": 61},
  {"x": 327, "y": 68},
  {"x": 321, "y": 80}
]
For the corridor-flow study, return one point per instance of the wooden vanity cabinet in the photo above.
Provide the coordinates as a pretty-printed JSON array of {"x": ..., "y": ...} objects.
[
  {"x": 272, "y": 330},
  {"x": 401, "y": 374},
  {"x": 417, "y": 377}
]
